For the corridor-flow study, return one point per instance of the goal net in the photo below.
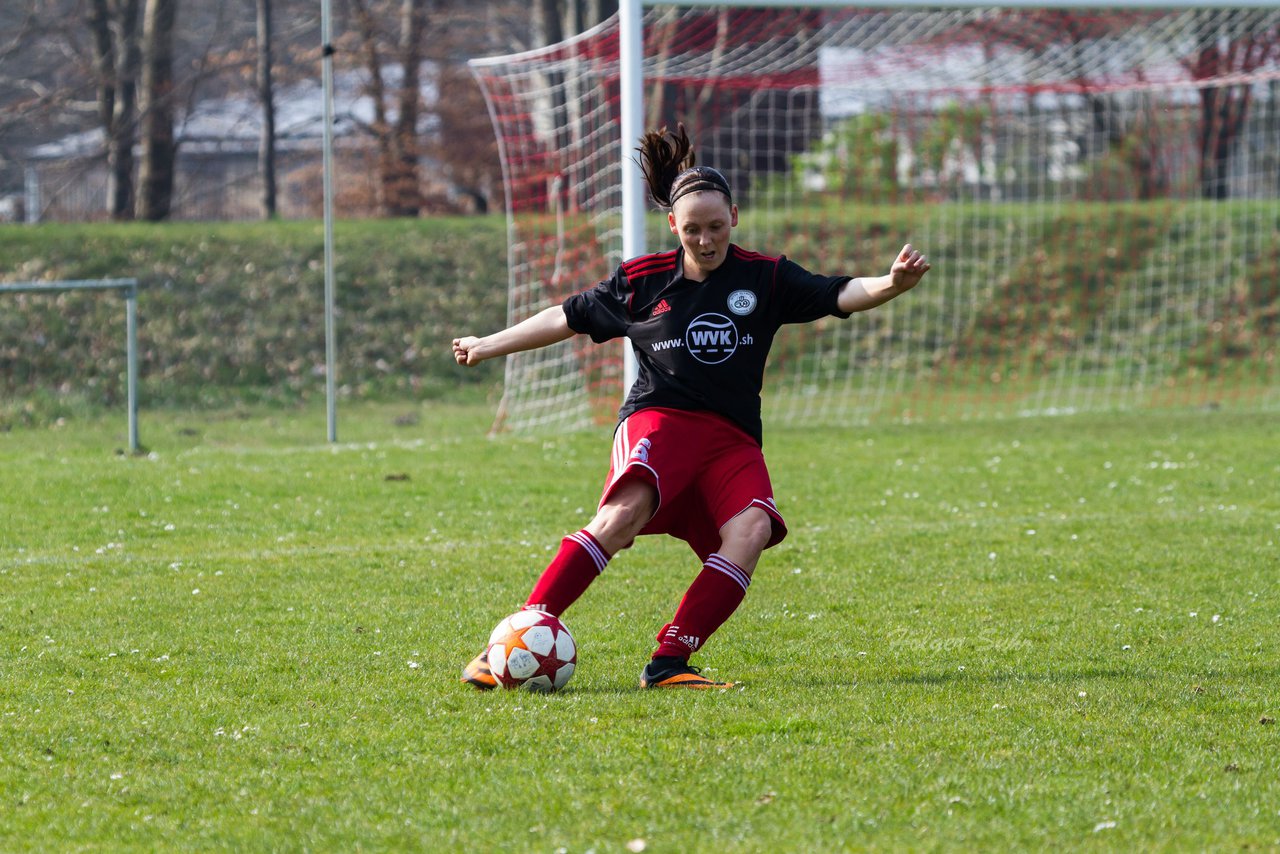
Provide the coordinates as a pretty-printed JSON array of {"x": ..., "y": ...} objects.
[{"x": 1098, "y": 192}]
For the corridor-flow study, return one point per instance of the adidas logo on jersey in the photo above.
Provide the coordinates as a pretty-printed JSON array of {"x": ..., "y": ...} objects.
[{"x": 661, "y": 308}]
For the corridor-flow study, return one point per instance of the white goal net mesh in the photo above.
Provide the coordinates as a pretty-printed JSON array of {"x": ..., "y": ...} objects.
[{"x": 1098, "y": 191}]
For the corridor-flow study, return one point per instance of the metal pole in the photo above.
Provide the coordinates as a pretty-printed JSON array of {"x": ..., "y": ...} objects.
[
  {"x": 330, "y": 347},
  {"x": 129, "y": 289},
  {"x": 131, "y": 361},
  {"x": 631, "y": 83},
  {"x": 31, "y": 204}
]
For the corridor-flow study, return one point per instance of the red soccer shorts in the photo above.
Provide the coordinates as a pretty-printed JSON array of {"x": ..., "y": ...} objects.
[{"x": 706, "y": 470}]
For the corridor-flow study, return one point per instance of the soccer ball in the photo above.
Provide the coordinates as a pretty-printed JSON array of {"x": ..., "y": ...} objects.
[{"x": 534, "y": 650}]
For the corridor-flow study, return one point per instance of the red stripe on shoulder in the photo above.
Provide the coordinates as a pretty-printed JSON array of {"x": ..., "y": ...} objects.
[
  {"x": 747, "y": 255},
  {"x": 760, "y": 258},
  {"x": 659, "y": 262},
  {"x": 648, "y": 270}
]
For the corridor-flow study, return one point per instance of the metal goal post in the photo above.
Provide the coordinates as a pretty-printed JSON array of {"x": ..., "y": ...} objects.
[{"x": 128, "y": 288}]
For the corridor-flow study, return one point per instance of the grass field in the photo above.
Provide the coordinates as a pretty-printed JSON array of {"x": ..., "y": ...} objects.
[{"x": 1026, "y": 634}]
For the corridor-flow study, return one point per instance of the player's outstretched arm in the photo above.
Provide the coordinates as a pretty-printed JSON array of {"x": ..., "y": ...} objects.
[
  {"x": 548, "y": 326},
  {"x": 867, "y": 292}
]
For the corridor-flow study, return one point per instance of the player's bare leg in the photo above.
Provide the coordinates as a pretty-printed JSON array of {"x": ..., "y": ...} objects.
[
  {"x": 744, "y": 537},
  {"x": 712, "y": 597},
  {"x": 624, "y": 514}
]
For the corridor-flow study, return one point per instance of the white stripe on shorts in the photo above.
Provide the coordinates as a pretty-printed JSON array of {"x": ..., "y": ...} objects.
[{"x": 621, "y": 449}]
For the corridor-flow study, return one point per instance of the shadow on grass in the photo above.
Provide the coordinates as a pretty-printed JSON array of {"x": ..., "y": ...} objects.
[
  {"x": 943, "y": 678},
  {"x": 626, "y": 688},
  {"x": 1262, "y": 675}
]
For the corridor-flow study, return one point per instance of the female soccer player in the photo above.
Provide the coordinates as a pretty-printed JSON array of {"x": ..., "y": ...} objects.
[{"x": 687, "y": 455}]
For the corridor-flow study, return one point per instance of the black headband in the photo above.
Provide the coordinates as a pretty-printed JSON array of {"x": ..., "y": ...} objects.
[{"x": 696, "y": 180}]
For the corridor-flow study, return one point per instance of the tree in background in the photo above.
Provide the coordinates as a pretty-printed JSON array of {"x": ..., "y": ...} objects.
[
  {"x": 72, "y": 66},
  {"x": 1116, "y": 136},
  {"x": 390, "y": 45},
  {"x": 464, "y": 148},
  {"x": 156, "y": 106},
  {"x": 577, "y": 16},
  {"x": 117, "y": 58},
  {"x": 266, "y": 98},
  {"x": 434, "y": 148},
  {"x": 1223, "y": 109}
]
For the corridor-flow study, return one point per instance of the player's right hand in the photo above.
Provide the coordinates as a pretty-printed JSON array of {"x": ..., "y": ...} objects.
[{"x": 464, "y": 350}]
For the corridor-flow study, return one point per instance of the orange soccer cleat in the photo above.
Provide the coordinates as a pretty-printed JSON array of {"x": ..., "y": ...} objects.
[
  {"x": 478, "y": 674},
  {"x": 672, "y": 672}
]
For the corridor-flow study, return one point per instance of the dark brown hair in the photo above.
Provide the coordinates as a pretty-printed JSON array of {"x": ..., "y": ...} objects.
[{"x": 668, "y": 162}]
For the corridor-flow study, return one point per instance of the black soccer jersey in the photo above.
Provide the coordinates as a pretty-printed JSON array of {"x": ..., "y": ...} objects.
[{"x": 702, "y": 345}]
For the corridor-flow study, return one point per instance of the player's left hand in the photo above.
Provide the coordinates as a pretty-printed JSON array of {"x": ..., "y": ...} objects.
[{"x": 908, "y": 268}]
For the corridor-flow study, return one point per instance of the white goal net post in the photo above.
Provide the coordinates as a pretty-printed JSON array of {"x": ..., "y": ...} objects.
[{"x": 1098, "y": 189}]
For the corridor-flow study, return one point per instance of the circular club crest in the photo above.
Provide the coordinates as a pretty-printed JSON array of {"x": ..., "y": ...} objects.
[
  {"x": 742, "y": 303},
  {"x": 711, "y": 338}
]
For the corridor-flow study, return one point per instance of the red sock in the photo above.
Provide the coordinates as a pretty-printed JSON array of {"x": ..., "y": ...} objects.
[
  {"x": 713, "y": 596},
  {"x": 570, "y": 572}
]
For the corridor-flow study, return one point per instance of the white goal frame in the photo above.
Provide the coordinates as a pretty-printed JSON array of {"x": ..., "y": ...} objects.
[
  {"x": 631, "y": 68},
  {"x": 128, "y": 289},
  {"x": 1125, "y": 127}
]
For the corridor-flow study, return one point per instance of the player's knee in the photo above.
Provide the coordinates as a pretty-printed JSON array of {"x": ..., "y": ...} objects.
[
  {"x": 749, "y": 532},
  {"x": 621, "y": 519},
  {"x": 616, "y": 526}
]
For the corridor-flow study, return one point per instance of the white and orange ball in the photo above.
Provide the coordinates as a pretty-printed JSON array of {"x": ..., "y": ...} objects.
[{"x": 533, "y": 650}]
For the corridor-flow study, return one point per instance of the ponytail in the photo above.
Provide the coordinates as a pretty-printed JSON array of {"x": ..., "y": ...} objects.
[{"x": 668, "y": 162}]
